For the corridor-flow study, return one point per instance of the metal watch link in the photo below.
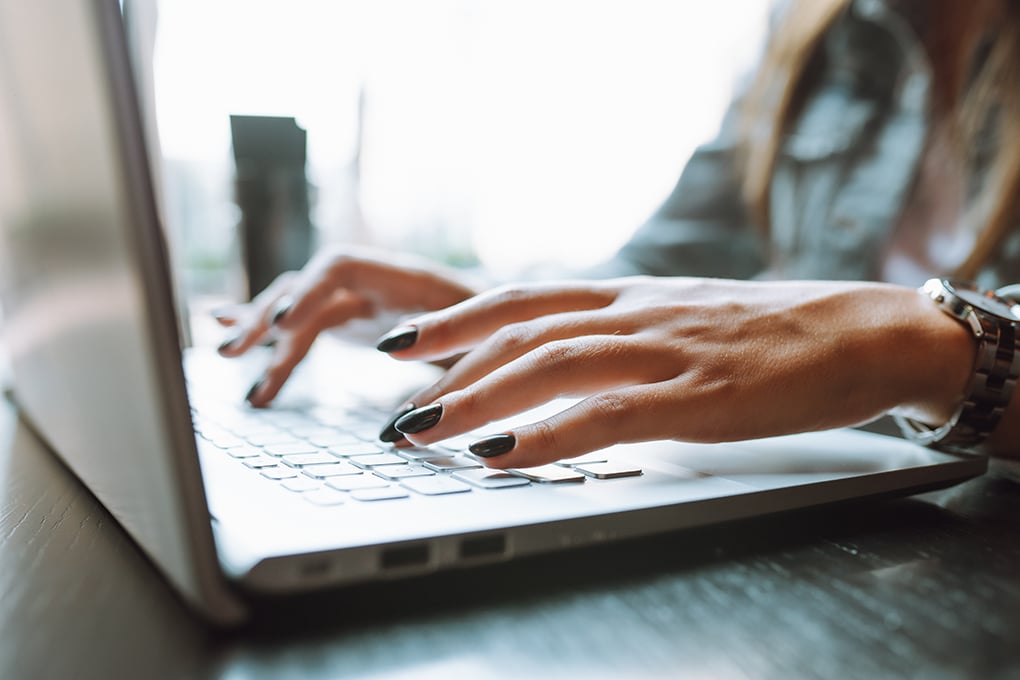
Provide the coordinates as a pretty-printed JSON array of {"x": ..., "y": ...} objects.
[{"x": 994, "y": 321}]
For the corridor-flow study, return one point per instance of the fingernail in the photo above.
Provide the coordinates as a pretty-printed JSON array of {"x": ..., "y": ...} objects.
[
  {"x": 420, "y": 419},
  {"x": 222, "y": 314},
  {"x": 496, "y": 445},
  {"x": 254, "y": 389},
  {"x": 389, "y": 433},
  {"x": 399, "y": 338},
  {"x": 281, "y": 308},
  {"x": 228, "y": 343}
]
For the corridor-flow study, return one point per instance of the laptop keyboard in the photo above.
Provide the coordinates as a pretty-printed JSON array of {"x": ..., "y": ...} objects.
[{"x": 332, "y": 458}]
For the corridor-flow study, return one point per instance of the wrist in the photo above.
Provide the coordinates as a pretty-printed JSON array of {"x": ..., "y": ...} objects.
[
  {"x": 889, "y": 350},
  {"x": 991, "y": 322},
  {"x": 941, "y": 360}
]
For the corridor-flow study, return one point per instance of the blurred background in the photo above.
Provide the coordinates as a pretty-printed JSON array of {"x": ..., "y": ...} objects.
[{"x": 520, "y": 135}]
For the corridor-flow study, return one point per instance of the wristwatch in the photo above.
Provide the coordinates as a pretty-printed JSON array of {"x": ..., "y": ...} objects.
[{"x": 994, "y": 320}]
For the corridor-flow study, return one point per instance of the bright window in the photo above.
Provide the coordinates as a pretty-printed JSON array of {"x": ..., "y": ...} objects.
[{"x": 525, "y": 134}]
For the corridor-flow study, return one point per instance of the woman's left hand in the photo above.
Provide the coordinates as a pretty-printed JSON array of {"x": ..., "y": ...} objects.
[{"x": 701, "y": 360}]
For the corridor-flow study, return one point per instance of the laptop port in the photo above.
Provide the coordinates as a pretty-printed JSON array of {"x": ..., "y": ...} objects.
[
  {"x": 493, "y": 545},
  {"x": 406, "y": 556}
]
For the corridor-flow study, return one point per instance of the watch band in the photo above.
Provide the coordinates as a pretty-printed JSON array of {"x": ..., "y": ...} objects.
[{"x": 996, "y": 369}]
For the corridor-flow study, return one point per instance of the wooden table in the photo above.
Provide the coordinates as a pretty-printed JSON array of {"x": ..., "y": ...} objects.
[{"x": 927, "y": 587}]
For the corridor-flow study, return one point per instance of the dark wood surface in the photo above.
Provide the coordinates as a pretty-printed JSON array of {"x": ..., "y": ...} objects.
[{"x": 926, "y": 587}]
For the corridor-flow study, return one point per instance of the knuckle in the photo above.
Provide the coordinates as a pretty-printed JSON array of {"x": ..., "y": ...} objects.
[
  {"x": 608, "y": 408},
  {"x": 510, "y": 294},
  {"x": 559, "y": 354},
  {"x": 336, "y": 268},
  {"x": 612, "y": 348},
  {"x": 512, "y": 337}
]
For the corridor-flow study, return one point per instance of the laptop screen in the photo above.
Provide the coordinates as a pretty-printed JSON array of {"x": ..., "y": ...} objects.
[{"x": 89, "y": 321}]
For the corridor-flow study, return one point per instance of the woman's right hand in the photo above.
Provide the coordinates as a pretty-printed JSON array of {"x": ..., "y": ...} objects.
[{"x": 338, "y": 285}]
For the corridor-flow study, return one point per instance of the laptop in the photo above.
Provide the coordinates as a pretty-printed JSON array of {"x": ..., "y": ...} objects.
[{"x": 231, "y": 503}]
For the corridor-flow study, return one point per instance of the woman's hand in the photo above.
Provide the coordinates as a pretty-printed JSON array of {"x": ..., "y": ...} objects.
[
  {"x": 337, "y": 286},
  {"x": 689, "y": 359}
]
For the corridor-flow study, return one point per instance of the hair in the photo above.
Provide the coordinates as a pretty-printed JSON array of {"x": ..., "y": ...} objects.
[{"x": 974, "y": 50}]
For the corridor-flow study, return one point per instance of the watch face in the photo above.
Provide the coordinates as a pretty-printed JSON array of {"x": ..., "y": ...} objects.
[{"x": 988, "y": 302}]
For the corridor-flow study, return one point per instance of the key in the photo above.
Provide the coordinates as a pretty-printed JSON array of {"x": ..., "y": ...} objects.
[
  {"x": 270, "y": 438},
  {"x": 248, "y": 430},
  {"x": 278, "y": 473},
  {"x": 608, "y": 470},
  {"x": 245, "y": 452},
  {"x": 446, "y": 463},
  {"x": 337, "y": 469},
  {"x": 260, "y": 463},
  {"x": 331, "y": 439},
  {"x": 286, "y": 419},
  {"x": 549, "y": 474},
  {"x": 437, "y": 485},
  {"x": 389, "y": 493},
  {"x": 352, "y": 482},
  {"x": 491, "y": 479},
  {"x": 343, "y": 418},
  {"x": 378, "y": 460},
  {"x": 289, "y": 449},
  {"x": 415, "y": 454},
  {"x": 361, "y": 449},
  {"x": 310, "y": 431},
  {"x": 300, "y": 460},
  {"x": 224, "y": 441},
  {"x": 458, "y": 443},
  {"x": 397, "y": 472}
]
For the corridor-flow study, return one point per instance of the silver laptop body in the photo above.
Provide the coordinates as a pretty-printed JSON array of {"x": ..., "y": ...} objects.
[{"x": 97, "y": 361}]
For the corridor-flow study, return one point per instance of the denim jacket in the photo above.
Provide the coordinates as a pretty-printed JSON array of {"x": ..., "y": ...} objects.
[{"x": 843, "y": 175}]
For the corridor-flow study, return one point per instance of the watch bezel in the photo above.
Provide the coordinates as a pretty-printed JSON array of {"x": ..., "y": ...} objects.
[{"x": 965, "y": 294}]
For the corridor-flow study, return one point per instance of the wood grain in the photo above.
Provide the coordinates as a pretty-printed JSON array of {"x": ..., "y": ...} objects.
[{"x": 927, "y": 587}]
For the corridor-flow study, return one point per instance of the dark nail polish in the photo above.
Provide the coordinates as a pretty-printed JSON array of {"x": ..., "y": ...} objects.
[
  {"x": 420, "y": 419},
  {"x": 283, "y": 306},
  {"x": 254, "y": 389},
  {"x": 399, "y": 338},
  {"x": 389, "y": 433},
  {"x": 496, "y": 445},
  {"x": 228, "y": 343}
]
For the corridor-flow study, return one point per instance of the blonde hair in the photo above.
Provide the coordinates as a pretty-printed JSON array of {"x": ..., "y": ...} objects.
[{"x": 970, "y": 105}]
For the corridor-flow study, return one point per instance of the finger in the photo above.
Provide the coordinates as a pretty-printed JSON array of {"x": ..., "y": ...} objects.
[
  {"x": 515, "y": 340},
  {"x": 243, "y": 337},
  {"x": 292, "y": 346},
  {"x": 629, "y": 414},
  {"x": 288, "y": 352},
  {"x": 227, "y": 315},
  {"x": 460, "y": 327},
  {"x": 394, "y": 283},
  {"x": 690, "y": 407},
  {"x": 252, "y": 319},
  {"x": 575, "y": 367}
]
